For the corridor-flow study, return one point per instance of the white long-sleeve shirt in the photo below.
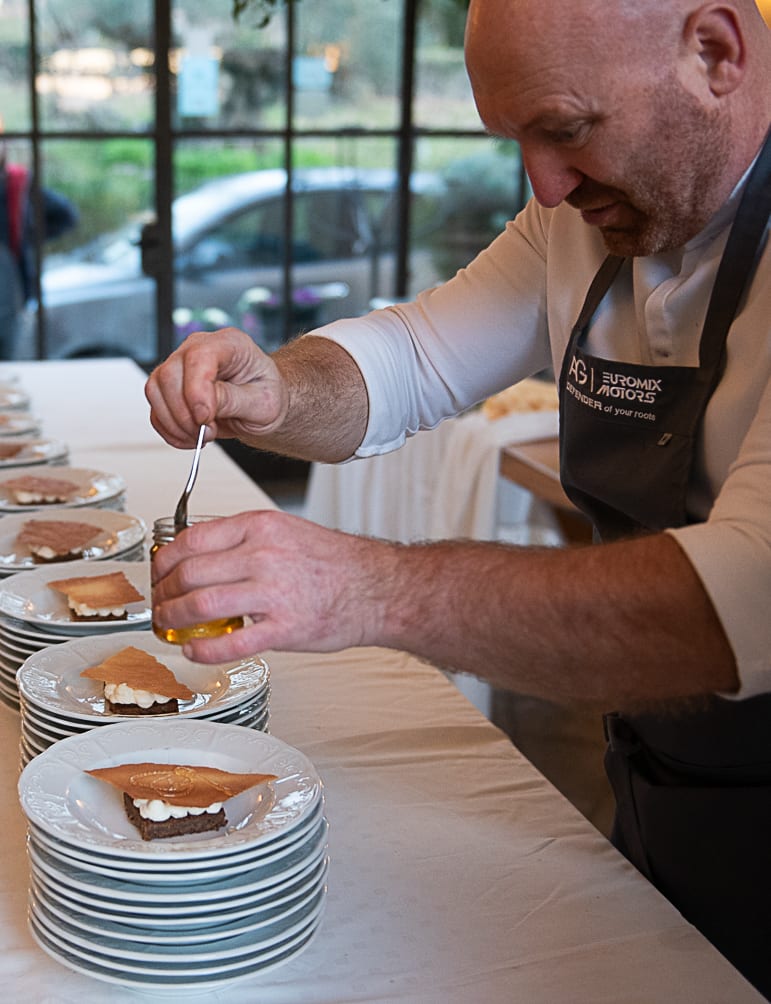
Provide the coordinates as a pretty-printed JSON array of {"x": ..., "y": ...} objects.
[{"x": 510, "y": 313}]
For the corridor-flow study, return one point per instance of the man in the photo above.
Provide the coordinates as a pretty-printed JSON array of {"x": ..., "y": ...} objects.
[{"x": 641, "y": 126}]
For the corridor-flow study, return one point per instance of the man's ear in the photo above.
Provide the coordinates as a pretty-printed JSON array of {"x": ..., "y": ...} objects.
[{"x": 713, "y": 41}]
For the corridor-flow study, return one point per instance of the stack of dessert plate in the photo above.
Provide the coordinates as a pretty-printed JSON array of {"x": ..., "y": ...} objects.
[
  {"x": 57, "y": 702},
  {"x": 33, "y": 616},
  {"x": 94, "y": 489},
  {"x": 121, "y": 536},
  {"x": 193, "y": 912}
]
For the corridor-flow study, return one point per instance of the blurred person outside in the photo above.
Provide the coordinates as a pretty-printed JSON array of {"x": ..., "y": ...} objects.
[
  {"x": 640, "y": 271},
  {"x": 18, "y": 264}
]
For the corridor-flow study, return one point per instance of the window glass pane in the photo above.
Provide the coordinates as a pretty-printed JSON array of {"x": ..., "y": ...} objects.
[
  {"x": 347, "y": 64},
  {"x": 350, "y": 208},
  {"x": 228, "y": 224},
  {"x": 226, "y": 73},
  {"x": 97, "y": 301},
  {"x": 14, "y": 67},
  {"x": 482, "y": 189},
  {"x": 96, "y": 65},
  {"x": 443, "y": 98}
]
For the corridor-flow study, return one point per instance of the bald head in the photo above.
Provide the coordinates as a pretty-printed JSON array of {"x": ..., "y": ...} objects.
[
  {"x": 621, "y": 37},
  {"x": 642, "y": 114}
]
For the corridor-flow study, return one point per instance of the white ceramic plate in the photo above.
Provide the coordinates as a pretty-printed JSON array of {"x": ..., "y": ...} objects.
[
  {"x": 183, "y": 872},
  {"x": 253, "y": 707},
  {"x": 93, "y": 488},
  {"x": 161, "y": 984},
  {"x": 27, "y": 596},
  {"x": 33, "y": 453},
  {"x": 50, "y": 678},
  {"x": 44, "y": 732},
  {"x": 170, "y": 920},
  {"x": 298, "y": 897},
  {"x": 22, "y": 633},
  {"x": 63, "y": 800},
  {"x": 191, "y": 899},
  {"x": 18, "y": 423},
  {"x": 119, "y": 534},
  {"x": 170, "y": 956}
]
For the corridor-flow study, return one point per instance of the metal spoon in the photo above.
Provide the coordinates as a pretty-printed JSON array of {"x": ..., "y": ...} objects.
[{"x": 180, "y": 513}]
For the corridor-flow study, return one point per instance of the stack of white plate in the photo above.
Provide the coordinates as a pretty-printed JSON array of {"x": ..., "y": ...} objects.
[
  {"x": 57, "y": 702},
  {"x": 122, "y": 536},
  {"x": 34, "y": 616},
  {"x": 95, "y": 489},
  {"x": 192, "y": 912}
]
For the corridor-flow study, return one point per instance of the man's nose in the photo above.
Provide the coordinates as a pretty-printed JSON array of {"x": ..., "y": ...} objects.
[{"x": 551, "y": 176}]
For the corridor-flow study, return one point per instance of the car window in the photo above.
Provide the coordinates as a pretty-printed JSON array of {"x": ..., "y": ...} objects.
[
  {"x": 324, "y": 226},
  {"x": 324, "y": 229},
  {"x": 426, "y": 216}
]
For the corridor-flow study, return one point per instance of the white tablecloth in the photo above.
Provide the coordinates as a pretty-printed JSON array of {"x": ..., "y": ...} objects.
[
  {"x": 458, "y": 875},
  {"x": 442, "y": 483}
]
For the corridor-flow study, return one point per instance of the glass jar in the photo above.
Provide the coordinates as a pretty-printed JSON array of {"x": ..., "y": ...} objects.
[{"x": 164, "y": 532}]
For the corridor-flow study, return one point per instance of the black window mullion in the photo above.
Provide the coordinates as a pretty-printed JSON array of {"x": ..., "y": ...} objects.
[
  {"x": 406, "y": 145},
  {"x": 164, "y": 182}
]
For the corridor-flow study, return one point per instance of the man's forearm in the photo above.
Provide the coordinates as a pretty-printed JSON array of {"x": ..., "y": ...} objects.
[
  {"x": 614, "y": 626},
  {"x": 328, "y": 406}
]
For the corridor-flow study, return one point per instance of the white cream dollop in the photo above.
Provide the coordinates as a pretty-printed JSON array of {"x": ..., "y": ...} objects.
[
  {"x": 86, "y": 611},
  {"x": 121, "y": 693},
  {"x": 30, "y": 497},
  {"x": 157, "y": 810}
]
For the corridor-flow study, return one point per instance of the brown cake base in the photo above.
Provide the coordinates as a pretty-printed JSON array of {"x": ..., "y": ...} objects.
[
  {"x": 170, "y": 707},
  {"x": 149, "y": 829},
  {"x": 69, "y": 556}
]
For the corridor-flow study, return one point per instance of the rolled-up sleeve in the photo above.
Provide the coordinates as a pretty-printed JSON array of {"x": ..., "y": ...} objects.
[{"x": 454, "y": 345}]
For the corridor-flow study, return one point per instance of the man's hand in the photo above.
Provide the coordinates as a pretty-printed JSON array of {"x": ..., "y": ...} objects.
[
  {"x": 307, "y": 400},
  {"x": 305, "y": 587},
  {"x": 220, "y": 379},
  {"x": 619, "y": 625}
]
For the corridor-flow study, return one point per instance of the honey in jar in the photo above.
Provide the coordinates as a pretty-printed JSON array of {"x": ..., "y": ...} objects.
[{"x": 164, "y": 532}]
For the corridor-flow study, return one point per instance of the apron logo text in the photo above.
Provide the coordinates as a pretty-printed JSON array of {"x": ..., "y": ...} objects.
[{"x": 629, "y": 388}]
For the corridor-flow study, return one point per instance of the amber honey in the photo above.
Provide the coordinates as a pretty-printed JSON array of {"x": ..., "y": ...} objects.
[{"x": 164, "y": 532}]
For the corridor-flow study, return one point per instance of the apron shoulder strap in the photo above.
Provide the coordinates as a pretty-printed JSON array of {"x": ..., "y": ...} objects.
[{"x": 737, "y": 265}]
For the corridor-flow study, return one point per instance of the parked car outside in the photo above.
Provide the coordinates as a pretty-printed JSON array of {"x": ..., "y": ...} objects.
[{"x": 229, "y": 247}]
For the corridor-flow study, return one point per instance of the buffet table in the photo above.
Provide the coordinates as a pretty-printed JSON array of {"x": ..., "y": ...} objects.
[{"x": 458, "y": 874}]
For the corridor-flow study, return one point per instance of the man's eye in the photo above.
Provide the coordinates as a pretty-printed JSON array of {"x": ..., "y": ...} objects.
[{"x": 568, "y": 134}]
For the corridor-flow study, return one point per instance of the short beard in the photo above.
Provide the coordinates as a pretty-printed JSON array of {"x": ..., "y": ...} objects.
[{"x": 674, "y": 202}]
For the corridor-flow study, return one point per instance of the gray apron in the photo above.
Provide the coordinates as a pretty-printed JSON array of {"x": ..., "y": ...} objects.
[{"x": 692, "y": 788}]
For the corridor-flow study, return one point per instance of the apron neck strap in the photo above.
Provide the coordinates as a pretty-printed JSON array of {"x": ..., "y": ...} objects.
[{"x": 739, "y": 260}]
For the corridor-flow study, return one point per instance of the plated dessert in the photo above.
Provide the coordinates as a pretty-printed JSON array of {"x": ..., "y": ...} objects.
[
  {"x": 57, "y": 539},
  {"x": 172, "y": 800},
  {"x": 33, "y": 489},
  {"x": 98, "y": 597},
  {"x": 28, "y": 540},
  {"x": 136, "y": 683},
  {"x": 28, "y": 487}
]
